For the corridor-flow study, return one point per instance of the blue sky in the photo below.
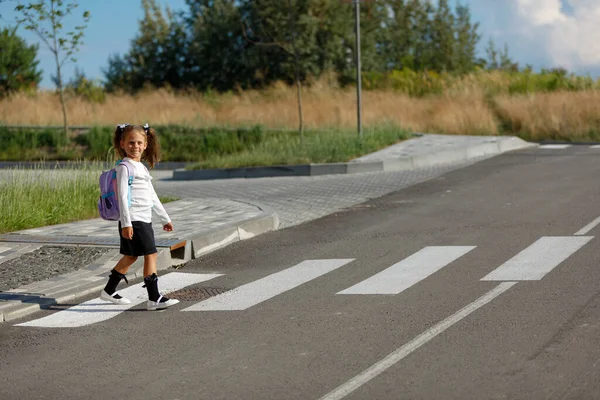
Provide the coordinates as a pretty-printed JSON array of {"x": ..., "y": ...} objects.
[{"x": 543, "y": 33}]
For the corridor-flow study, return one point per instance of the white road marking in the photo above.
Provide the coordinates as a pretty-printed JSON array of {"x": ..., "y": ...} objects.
[
  {"x": 263, "y": 289},
  {"x": 588, "y": 227},
  {"x": 534, "y": 262},
  {"x": 554, "y": 146},
  {"x": 400, "y": 353},
  {"x": 596, "y": 146},
  {"x": 97, "y": 310},
  {"x": 409, "y": 271},
  {"x": 3, "y": 249}
]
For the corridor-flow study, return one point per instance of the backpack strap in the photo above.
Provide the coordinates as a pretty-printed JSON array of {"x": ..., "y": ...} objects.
[{"x": 129, "y": 168}]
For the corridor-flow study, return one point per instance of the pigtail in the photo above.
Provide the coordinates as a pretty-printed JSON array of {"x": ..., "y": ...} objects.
[
  {"x": 118, "y": 135},
  {"x": 152, "y": 153}
]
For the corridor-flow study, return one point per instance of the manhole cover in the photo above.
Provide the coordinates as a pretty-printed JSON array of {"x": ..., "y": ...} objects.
[{"x": 197, "y": 293}]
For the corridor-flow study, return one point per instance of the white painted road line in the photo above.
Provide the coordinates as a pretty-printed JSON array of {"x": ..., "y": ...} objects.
[
  {"x": 554, "y": 146},
  {"x": 263, "y": 289},
  {"x": 409, "y": 271},
  {"x": 98, "y": 310},
  {"x": 534, "y": 262},
  {"x": 588, "y": 227},
  {"x": 400, "y": 353}
]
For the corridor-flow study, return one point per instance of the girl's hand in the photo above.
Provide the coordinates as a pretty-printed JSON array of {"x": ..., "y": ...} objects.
[
  {"x": 127, "y": 233},
  {"x": 168, "y": 227}
]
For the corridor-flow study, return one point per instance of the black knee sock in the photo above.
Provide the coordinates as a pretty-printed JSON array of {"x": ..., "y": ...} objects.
[
  {"x": 151, "y": 285},
  {"x": 113, "y": 281}
]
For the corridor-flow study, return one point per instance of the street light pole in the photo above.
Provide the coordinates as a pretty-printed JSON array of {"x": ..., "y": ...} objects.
[{"x": 358, "y": 72}]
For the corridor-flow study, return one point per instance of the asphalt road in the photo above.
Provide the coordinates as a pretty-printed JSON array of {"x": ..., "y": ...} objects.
[{"x": 490, "y": 291}]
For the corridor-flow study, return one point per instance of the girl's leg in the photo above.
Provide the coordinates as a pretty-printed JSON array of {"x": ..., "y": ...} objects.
[
  {"x": 155, "y": 300},
  {"x": 117, "y": 273},
  {"x": 124, "y": 263},
  {"x": 150, "y": 264}
]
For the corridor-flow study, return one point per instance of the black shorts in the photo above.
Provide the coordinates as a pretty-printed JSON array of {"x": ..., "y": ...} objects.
[{"x": 143, "y": 240}]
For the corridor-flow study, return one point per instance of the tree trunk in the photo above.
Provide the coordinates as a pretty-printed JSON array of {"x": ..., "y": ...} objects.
[
  {"x": 62, "y": 101},
  {"x": 56, "y": 51},
  {"x": 297, "y": 71},
  {"x": 300, "y": 113}
]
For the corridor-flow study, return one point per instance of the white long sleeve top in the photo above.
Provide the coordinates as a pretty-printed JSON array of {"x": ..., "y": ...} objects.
[{"x": 143, "y": 197}]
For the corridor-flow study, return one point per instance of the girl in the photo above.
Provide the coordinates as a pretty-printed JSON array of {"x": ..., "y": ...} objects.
[{"x": 134, "y": 143}]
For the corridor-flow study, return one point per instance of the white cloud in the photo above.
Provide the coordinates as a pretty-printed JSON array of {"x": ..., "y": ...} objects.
[
  {"x": 547, "y": 33},
  {"x": 570, "y": 40},
  {"x": 541, "y": 12}
]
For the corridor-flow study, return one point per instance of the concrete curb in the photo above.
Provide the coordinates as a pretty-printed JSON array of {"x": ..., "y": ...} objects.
[
  {"x": 20, "y": 303},
  {"x": 494, "y": 147}
]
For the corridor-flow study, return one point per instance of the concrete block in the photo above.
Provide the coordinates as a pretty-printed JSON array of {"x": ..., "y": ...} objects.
[
  {"x": 398, "y": 164},
  {"x": 367, "y": 166},
  {"x": 214, "y": 240},
  {"x": 78, "y": 292},
  {"x": 25, "y": 309},
  {"x": 258, "y": 225},
  {"x": 327, "y": 169}
]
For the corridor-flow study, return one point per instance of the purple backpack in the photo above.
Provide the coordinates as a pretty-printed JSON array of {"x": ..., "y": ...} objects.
[{"x": 108, "y": 203}]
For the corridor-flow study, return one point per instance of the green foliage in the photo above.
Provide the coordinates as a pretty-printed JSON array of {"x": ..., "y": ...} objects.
[
  {"x": 18, "y": 64},
  {"x": 45, "y": 18},
  {"x": 81, "y": 86},
  {"x": 323, "y": 146},
  {"x": 226, "y": 45},
  {"x": 33, "y": 198},
  {"x": 157, "y": 57},
  {"x": 413, "y": 83},
  {"x": 30, "y": 198},
  {"x": 178, "y": 143},
  {"x": 429, "y": 83},
  {"x": 182, "y": 143},
  {"x": 27, "y": 144}
]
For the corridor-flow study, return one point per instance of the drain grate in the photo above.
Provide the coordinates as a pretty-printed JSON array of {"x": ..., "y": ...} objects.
[{"x": 196, "y": 293}]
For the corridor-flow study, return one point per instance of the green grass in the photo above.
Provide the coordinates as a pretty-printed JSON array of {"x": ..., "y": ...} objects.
[
  {"x": 37, "y": 197},
  {"x": 323, "y": 146},
  {"x": 209, "y": 147}
]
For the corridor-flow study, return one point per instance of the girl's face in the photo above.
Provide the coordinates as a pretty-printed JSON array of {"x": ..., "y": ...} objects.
[{"x": 134, "y": 143}]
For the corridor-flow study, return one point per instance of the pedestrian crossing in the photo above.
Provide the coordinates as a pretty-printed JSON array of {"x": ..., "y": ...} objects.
[{"x": 532, "y": 263}]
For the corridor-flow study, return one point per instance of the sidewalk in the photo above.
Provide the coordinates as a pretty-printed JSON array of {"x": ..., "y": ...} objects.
[{"x": 201, "y": 226}]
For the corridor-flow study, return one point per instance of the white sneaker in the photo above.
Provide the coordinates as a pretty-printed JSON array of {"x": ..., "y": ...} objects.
[
  {"x": 114, "y": 298},
  {"x": 161, "y": 304}
]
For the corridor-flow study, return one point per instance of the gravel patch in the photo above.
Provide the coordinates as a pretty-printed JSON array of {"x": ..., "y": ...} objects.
[{"x": 46, "y": 262}]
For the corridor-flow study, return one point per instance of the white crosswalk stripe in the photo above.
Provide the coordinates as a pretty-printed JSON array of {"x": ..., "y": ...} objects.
[
  {"x": 534, "y": 262},
  {"x": 98, "y": 310},
  {"x": 409, "y": 271},
  {"x": 256, "y": 292}
]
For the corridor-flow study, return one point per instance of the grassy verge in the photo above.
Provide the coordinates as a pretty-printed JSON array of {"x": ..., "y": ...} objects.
[
  {"x": 30, "y": 200},
  {"x": 324, "y": 146}
]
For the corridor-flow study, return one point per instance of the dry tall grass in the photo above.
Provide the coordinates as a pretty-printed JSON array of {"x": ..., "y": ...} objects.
[{"x": 463, "y": 111}]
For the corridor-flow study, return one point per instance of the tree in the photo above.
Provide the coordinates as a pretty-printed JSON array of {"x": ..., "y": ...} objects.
[
  {"x": 219, "y": 56},
  {"x": 45, "y": 18},
  {"x": 18, "y": 63},
  {"x": 499, "y": 60},
  {"x": 467, "y": 38},
  {"x": 157, "y": 54},
  {"x": 290, "y": 28}
]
